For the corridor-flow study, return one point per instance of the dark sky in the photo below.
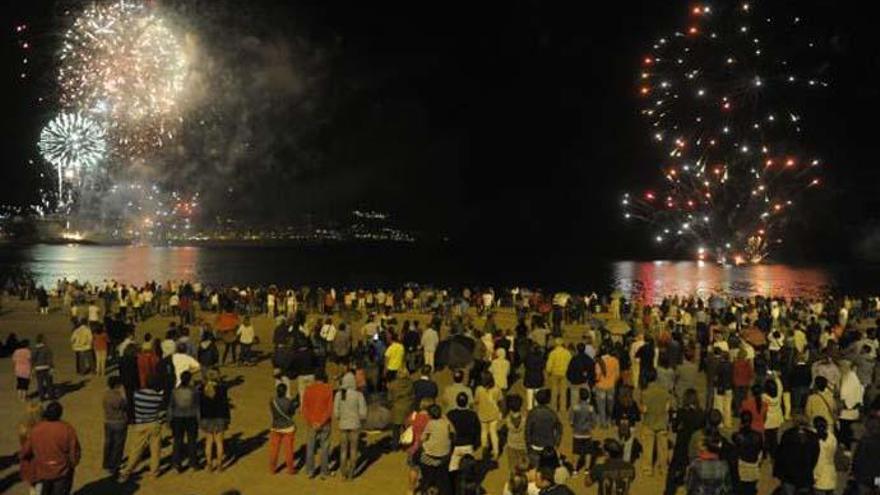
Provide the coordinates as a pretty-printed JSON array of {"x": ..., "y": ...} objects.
[{"x": 513, "y": 127}]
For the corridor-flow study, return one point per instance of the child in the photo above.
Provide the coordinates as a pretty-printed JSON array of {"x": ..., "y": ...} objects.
[{"x": 583, "y": 419}]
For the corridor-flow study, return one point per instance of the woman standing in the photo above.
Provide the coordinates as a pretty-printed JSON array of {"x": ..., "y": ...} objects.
[
  {"x": 214, "y": 418},
  {"x": 350, "y": 410},
  {"x": 487, "y": 398},
  {"x": 21, "y": 365},
  {"x": 417, "y": 421},
  {"x": 825, "y": 472},
  {"x": 183, "y": 410},
  {"x": 436, "y": 448}
]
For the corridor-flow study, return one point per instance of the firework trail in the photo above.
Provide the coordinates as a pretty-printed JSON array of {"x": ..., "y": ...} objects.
[{"x": 722, "y": 98}]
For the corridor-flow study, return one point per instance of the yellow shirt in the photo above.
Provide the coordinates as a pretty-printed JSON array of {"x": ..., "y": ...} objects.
[
  {"x": 557, "y": 361},
  {"x": 394, "y": 357}
]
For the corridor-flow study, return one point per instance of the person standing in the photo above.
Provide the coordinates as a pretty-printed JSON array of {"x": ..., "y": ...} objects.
[
  {"x": 614, "y": 476},
  {"x": 214, "y": 417},
  {"x": 33, "y": 415},
  {"x": 709, "y": 474},
  {"x": 655, "y": 422},
  {"x": 466, "y": 425},
  {"x": 436, "y": 442},
  {"x": 43, "y": 364},
  {"x": 21, "y": 366},
  {"x": 350, "y": 410},
  {"x": 430, "y": 340},
  {"x": 394, "y": 355},
  {"x": 795, "y": 469},
  {"x": 607, "y": 375},
  {"x": 689, "y": 418},
  {"x": 283, "y": 431},
  {"x": 516, "y": 433},
  {"x": 557, "y": 367},
  {"x": 147, "y": 428},
  {"x": 533, "y": 379},
  {"x": 183, "y": 412},
  {"x": 115, "y": 424},
  {"x": 825, "y": 472},
  {"x": 100, "y": 343},
  {"x": 748, "y": 444},
  {"x": 487, "y": 400},
  {"x": 583, "y": 420},
  {"x": 317, "y": 411},
  {"x": 54, "y": 452},
  {"x": 543, "y": 430},
  {"x": 81, "y": 342}
]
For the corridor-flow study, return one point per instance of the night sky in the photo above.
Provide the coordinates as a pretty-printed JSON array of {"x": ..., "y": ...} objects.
[{"x": 512, "y": 128}]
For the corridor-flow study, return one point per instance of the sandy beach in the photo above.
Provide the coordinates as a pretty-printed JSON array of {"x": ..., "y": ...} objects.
[{"x": 247, "y": 435}]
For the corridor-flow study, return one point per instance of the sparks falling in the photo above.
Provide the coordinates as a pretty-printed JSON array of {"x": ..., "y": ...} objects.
[
  {"x": 121, "y": 62},
  {"x": 722, "y": 97},
  {"x": 74, "y": 145}
]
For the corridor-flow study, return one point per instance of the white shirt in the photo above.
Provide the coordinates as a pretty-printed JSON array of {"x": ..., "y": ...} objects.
[
  {"x": 245, "y": 334},
  {"x": 183, "y": 362}
]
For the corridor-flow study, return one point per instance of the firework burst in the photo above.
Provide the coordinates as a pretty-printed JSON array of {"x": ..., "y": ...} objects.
[
  {"x": 73, "y": 144},
  {"x": 123, "y": 63},
  {"x": 722, "y": 99}
]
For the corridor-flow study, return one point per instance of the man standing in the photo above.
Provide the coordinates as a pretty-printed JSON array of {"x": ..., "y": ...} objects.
[
  {"x": 81, "y": 342},
  {"x": 43, "y": 363},
  {"x": 54, "y": 450},
  {"x": 556, "y": 367},
  {"x": 430, "y": 339},
  {"x": 147, "y": 429},
  {"x": 543, "y": 429},
  {"x": 115, "y": 424},
  {"x": 317, "y": 408}
]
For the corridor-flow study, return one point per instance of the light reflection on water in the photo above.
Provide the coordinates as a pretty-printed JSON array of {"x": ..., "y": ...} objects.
[
  {"x": 388, "y": 266},
  {"x": 653, "y": 280}
]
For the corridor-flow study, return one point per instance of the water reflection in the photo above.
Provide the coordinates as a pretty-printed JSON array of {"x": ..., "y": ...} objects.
[
  {"x": 386, "y": 266},
  {"x": 654, "y": 280}
]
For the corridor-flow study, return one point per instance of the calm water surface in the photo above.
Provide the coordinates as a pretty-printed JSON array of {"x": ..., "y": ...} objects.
[{"x": 391, "y": 265}]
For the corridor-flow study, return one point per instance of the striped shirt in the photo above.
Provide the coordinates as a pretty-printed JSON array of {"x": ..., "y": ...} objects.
[{"x": 148, "y": 406}]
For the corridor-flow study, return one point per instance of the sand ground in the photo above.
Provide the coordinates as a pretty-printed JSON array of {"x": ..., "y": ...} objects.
[{"x": 247, "y": 437}]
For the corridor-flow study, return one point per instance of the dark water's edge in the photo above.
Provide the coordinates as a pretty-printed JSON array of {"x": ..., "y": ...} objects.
[{"x": 383, "y": 265}]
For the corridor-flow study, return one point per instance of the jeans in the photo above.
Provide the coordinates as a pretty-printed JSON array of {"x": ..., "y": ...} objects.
[
  {"x": 143, "y": 435},
  {"x": 245, "y": 355},
  {"x": 189, "y": 428},
  {"x": 57, "y": 486},
  {"x": 45, "y": 388},
  {"x": 114, "y": 445},
  {"x": 604, "y": 405},
  {"x": 348, "y": 452},
  {"x": 321, "y": 436},
  {"x": 278, "y": 439}
]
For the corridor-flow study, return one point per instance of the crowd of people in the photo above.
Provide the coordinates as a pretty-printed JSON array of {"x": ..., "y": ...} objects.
[{"x": 700, "y": 393}]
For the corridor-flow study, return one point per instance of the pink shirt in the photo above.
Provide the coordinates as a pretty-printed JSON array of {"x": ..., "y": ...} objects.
[{"x": 21, "y": 360}]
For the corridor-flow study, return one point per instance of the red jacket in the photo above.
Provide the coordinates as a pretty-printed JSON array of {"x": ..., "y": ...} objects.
[
  {"x": 317, "y": 404},
  {"x": 743, "y": 374},
  {"x": 147, "y": 362},
  {"x": 53, "y": 448}
]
